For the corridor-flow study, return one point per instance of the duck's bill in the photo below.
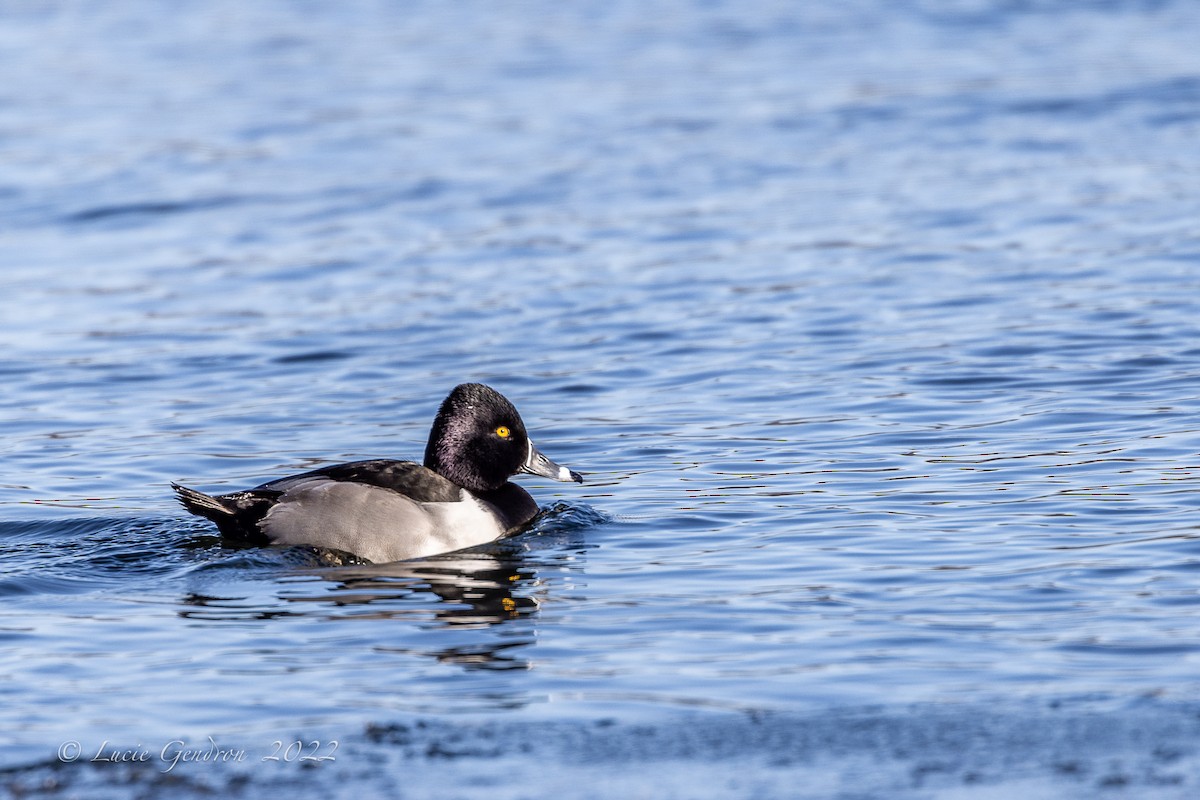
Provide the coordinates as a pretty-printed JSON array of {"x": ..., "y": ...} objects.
[{"x": 538, "y": 464}]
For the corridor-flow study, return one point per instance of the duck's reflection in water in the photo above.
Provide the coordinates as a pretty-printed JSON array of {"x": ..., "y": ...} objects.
[
  {"x": 477, "y": 607},
  {"x": 468, "y": 590},
  {"x": 474, "y": 589}
]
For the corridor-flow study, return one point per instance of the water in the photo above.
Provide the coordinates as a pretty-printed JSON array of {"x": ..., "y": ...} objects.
[{"x": 873, "y": 327}]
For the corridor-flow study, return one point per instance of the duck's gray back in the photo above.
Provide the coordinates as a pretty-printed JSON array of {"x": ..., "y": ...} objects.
[{"x": 375, "y": 523}]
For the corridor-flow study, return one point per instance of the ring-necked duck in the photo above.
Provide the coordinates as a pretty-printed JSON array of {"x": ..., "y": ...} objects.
[{"x": 386, "y": 510}]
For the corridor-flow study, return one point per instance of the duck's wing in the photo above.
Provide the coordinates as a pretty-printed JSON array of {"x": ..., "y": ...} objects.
[
  {"x": 403, "y": 477},
  {"x": 239, "y": 515}
]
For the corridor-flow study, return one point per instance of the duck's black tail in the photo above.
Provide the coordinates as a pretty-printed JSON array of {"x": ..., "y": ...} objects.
[
  {"x": 235, "y": 515},
  {"x": 201, "y": 504}
]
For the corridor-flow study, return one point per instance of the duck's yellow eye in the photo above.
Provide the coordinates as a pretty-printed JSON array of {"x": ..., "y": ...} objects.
[{"x": 503, "y": 432}]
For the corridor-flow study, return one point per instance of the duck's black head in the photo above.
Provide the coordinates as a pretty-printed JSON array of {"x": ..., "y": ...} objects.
[{"x": 478, "y": 441}]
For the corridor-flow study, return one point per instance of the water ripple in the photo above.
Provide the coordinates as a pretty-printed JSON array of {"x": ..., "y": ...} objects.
[{"x": 871, "y": 326}]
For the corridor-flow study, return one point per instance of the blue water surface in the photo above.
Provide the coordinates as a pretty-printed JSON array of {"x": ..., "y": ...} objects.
[{"x": 874, "y": 327}]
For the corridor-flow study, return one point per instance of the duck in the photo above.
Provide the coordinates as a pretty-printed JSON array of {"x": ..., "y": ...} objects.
[{"x": 383, "y": 510}]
